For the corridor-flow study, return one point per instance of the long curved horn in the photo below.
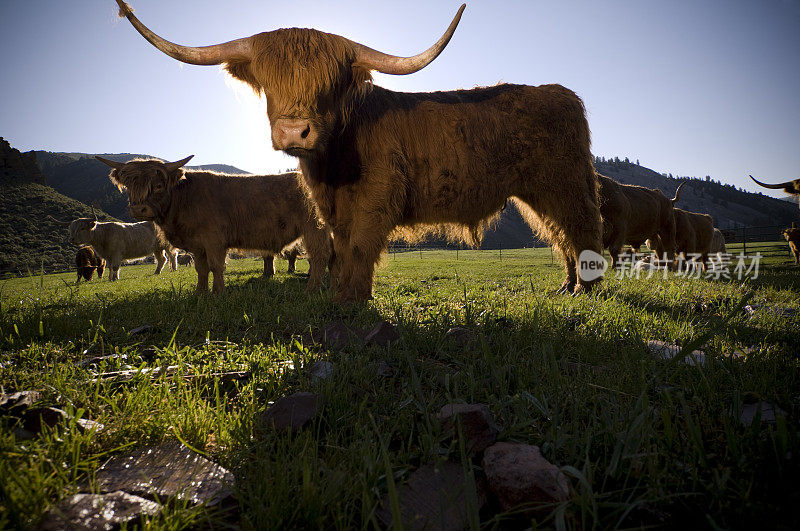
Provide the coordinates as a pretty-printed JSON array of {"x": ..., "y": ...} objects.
[
  {"x": 203, "y": 55},
  {"x": 392, "y": 64},
  {"x": 113, "y": 164},
  {"x": 678, "y": 192},
  {"x": 172, "y": 166},
  {"x": 781, "y": 186}
]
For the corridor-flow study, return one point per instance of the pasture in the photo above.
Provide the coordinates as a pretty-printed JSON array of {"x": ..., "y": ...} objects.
[{"x": 643, "y": 441}]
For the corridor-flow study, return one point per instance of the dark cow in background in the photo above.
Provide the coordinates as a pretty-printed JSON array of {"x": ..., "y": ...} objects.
[
  {"x": 115, "y": 241},
  {"x": 87, "y": 262},
  {"x": 208, "y": 213},
  {"x": 792, "y": 236},
  {"x": 185, "y": 259},
  {"x": 634, "y": 214},
  {"x": 291, "y": 253},
  {"x": 374, "y": 160}
]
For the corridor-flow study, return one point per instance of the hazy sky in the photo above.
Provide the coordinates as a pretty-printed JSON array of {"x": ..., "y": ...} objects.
[{"x": 688, "y": 87}]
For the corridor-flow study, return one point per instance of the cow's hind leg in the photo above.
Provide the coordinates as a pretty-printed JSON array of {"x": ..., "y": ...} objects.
[
  {"x": 318, "y": 245},
  {"x": 161, "y": 259}
]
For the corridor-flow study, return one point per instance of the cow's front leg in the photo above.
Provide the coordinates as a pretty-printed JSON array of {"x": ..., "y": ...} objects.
[
  {"x": 367, "y": 241},
  {"x": 161, "y": 259},
  {"x": 216, "y": 262},
  {"x": 269, "y": 266},
  {"x": 201, "y": 266}
]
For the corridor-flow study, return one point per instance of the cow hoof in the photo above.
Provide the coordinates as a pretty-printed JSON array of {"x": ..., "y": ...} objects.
[{"x": 567, "y": 287}]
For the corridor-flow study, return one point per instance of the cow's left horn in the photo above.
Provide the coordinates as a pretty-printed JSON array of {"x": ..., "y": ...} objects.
[
  {"x": 781, "y": 186},
  {"x": 172, "y": 166},
  {"x": 392, "y": 64},
  {"x": 113, "y": 164},
  {"x": 203, "y": 55}
]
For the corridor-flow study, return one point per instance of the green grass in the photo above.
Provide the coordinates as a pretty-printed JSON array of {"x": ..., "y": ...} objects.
[{"x": 644, "y": 442}]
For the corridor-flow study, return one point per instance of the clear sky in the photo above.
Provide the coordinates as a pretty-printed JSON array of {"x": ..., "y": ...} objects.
[{"x": 688, "y": 87}]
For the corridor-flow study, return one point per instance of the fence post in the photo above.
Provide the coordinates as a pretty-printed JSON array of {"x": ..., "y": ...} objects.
[
  {"x": 501, "y": 251},
  {"x": 744, "y": 241},
  {"x": 420, "y": 251}
]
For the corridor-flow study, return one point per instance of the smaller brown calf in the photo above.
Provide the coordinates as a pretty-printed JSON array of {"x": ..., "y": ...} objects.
[
  {"x": 86, "y": 262},
  {"x": 208, "y": 213},
  {"x": 792, "y": 236}
]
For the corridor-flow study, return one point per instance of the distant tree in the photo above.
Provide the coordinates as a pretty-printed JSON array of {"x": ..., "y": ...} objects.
[
  {"x": 637, "y": 162},
  {"x": 627, "y": 161},
  {"x": 670, "y": 176}
]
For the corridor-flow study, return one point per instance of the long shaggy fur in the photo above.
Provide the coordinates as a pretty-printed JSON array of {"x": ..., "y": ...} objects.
[
  {"x": 114, "y": 241},
  {"x": 208, "y": 213}
]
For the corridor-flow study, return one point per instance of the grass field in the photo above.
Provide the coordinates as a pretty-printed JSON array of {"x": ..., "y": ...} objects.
[{"x": 644, "y": 442}]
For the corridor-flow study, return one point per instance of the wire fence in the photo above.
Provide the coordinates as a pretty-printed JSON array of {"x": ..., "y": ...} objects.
[{"x": 765, "y": 239}]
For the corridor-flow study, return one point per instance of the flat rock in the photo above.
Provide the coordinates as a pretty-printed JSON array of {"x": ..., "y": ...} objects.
[
  {"x": 382, "y": 334},
  {"x": 461, "y": 335},
  {"x": 97, "y": 511},
  {"x": 320, "y": 370},
  {"x": 477, "y": 425},
  {"x": 517, "y": 475},
  {"x": 140, "y": 330},
  {"x": 670, "y": 350},
  {"x": 16, "y": 403},
  {"x": 337, "y": 335},
  {"x": 768, "y": 412},
  {"x": 291, "y": 412},
  {"x": 166, "y": 471},
  {"x": 435, "y": 497}
]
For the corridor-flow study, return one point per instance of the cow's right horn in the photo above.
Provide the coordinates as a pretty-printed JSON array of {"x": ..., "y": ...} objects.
[
  {"x": 781, "y": 186},
  {"x": 392, "y": 64},
  {"x": 203, "y": 55}
]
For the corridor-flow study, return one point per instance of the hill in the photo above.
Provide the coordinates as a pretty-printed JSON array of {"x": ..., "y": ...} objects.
[
  {"x": 82, "y": 177},
  {"x": 29, "y": 240}
]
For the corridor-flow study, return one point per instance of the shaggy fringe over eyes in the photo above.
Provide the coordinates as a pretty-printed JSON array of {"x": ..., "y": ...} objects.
[
  {"x": 136, "y": 182},
  {"x": 303, "y": 69}
]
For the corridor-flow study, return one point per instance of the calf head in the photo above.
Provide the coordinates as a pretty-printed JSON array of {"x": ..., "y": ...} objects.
[
  {"x": 312, "y": 80},
  {"x": 149, "y": 184},
  {"x": 80, "y": 231}
]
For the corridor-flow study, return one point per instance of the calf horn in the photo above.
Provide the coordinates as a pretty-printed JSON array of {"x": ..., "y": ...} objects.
[
  {"x": 54, "y": 220},
  {"x": 392, "y": 64},
  {"x": 781, "y": 186},
  {"x": 203, "y": 55}
]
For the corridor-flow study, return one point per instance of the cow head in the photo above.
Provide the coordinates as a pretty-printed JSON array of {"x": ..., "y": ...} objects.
[
  {"x": 311, "y": 80},
  {"x": 790, "y": 187},
  {"x": 149, "y": 184},
  {"x": 80, "y": 231}
]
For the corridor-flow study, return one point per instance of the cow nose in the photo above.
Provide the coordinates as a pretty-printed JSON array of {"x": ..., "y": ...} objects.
[{"x": 292, "y": 133}]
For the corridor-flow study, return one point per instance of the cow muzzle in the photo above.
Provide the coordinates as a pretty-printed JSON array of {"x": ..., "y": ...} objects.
[{"x": 293, "y": 134}]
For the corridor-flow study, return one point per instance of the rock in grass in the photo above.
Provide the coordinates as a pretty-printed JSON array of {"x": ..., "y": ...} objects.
[
  {"x": 170, "y": 470},
  {"x": 769, "y": 412},
  {"x": 477, "y": 425},
  {"x": 291, "y": 412},
  {"x": 15, "y": 404},
  {"x": 145, "y": 328},
  {"x": 337, "y": 335},
  {"x": 518, "y": 475},
  {"x": 461, "y": 335},
  {"x": 320, "y": 370},
  {"x": 97, "y": 511},
  {"x": 670, "y": 350},
  {"x": 435, "y": 497},
  {"x": 382, "y": 334}
]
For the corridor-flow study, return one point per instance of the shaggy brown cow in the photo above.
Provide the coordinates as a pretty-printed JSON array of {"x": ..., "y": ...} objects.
[
  {"x": 633, "y": 214},
  {"x": 718, "y": 242},
  {"x": 374, "y": 160},
  {"x": 792, "y": 236},
  {"x": 291, "y": 253},
  {"x": 694, "y": 236},
  {"x": 208, "y": 213},
  {"x": 115, "y": 241},
  {"x": 185, "y": 259},
  {"x": 790, "y": 187},
  {"x": 86, "y": 262}
]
